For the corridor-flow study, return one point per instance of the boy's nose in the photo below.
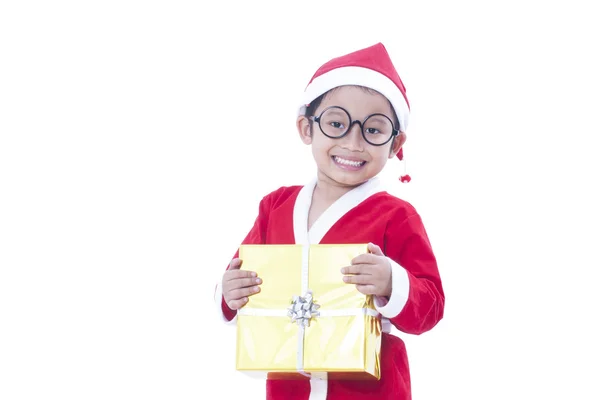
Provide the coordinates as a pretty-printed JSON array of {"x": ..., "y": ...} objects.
[{"x": 354, "y": 140}]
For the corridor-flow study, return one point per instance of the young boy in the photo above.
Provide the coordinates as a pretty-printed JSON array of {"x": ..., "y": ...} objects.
[{"x": 354, "y": 116}]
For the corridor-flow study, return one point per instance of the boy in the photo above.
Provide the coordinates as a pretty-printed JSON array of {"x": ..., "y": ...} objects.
[{"x": 354, "y": 117}]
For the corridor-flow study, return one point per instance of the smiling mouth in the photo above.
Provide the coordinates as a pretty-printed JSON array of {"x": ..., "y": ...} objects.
[{"x": 348, "y": 163}]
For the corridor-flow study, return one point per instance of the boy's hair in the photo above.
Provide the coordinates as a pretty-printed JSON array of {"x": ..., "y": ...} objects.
[{"x": 312, "y": 107}]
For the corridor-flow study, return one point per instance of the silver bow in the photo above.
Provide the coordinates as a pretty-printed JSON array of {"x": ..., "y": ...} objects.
[{"x": 303, "y": 309}]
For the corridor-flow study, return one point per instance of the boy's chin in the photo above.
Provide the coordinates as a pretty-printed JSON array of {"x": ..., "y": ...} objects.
[{"x": 351, "y": 181}]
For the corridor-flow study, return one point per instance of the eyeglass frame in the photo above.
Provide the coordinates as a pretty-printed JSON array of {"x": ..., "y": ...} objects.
[{"x": 395, "y": 132}]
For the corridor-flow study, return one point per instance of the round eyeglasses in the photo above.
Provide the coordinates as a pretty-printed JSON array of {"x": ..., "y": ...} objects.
[{"x": 335, "y": 123}]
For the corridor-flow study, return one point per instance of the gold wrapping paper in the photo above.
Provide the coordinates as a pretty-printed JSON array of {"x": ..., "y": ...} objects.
[{"x": 344, "y": 341}]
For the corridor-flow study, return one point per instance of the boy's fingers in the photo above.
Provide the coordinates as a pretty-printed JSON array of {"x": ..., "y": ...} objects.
[
  {"x": 241, "y": 282},
  {"x": 237, "y": 274},
  {"x": 367, "y": 258},
  {"x": 358, "y": 279},
  {"x": 366, "y": 289},
  {"x": 243, "y": 292},
  {"x": 237, "y": 304},
  {"x": 354, "y": 269}
]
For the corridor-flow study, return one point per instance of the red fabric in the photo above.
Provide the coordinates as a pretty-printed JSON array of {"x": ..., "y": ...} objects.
[
  {"x": 374, "y": 57},
  {"x": 395, "y": 226}
]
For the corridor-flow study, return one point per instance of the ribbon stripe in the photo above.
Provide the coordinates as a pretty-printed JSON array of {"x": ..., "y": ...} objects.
[{"x": 343, "y": 312}]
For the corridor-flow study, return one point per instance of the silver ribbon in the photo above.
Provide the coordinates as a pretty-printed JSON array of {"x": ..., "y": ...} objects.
[{"x": 303, "y": 309}]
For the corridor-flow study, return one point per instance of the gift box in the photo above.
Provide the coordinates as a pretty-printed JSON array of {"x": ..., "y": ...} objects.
[{"x": 306, "y": 321}]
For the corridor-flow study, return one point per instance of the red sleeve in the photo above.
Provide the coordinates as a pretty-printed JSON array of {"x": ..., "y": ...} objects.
[
  {"x": 257, "y": 235},
  {"x": 407, "y": 243}
]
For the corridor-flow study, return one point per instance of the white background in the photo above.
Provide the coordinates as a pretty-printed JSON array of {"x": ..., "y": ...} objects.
[{"x": 137, "y": 138}]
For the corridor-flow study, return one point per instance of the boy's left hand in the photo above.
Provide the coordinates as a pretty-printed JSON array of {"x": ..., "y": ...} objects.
[{"x": 370, "y": 272}]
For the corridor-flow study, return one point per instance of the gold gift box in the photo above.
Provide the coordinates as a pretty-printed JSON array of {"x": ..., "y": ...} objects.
[{"x": 344, "y": 340}]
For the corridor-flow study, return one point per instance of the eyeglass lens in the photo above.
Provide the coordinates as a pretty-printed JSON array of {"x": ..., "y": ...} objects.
[{"x": 335, "y": 122}]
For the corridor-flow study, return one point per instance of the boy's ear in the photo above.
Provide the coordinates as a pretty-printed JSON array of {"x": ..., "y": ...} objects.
[
  {"x": 303, "y": 126},
  {"x": 397, "y": 144}
]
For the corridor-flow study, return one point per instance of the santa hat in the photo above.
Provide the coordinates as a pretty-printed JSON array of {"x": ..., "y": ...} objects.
[{"x": 370, "y": 67}]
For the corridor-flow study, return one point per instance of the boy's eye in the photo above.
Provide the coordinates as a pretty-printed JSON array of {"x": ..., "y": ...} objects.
[
  {"x": 377, "y": 125},
  {"x": 334, "y": 123}
]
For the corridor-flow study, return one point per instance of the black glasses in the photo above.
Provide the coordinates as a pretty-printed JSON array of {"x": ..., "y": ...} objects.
[{"x": 335, "y": 122}]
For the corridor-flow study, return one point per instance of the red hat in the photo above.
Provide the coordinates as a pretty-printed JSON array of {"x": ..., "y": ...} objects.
[{"x": 369, "y": 67}]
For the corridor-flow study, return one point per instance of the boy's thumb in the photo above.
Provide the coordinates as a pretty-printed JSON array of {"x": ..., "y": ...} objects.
[
  {"x": 236, "y": 263},
  {"x": 374, "y": 249}
]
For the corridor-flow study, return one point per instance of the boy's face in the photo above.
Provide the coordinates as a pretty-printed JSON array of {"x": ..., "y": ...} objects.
[{"x": 350, "y": 160}]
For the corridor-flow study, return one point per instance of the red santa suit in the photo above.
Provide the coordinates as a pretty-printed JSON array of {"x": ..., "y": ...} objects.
[{"x": 365, "y": 214}]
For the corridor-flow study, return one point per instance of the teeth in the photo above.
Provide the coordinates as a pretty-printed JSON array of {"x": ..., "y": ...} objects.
[{"x": 348, "y": 162}]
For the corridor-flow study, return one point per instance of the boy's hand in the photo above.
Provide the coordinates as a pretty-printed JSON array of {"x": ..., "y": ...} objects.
[
  {"x": 370, "y": 272},
  {"x": 238, "y": 285}
]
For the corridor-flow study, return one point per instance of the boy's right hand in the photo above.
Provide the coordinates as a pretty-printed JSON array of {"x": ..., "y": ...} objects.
[{"x": 238, "y": 285}]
